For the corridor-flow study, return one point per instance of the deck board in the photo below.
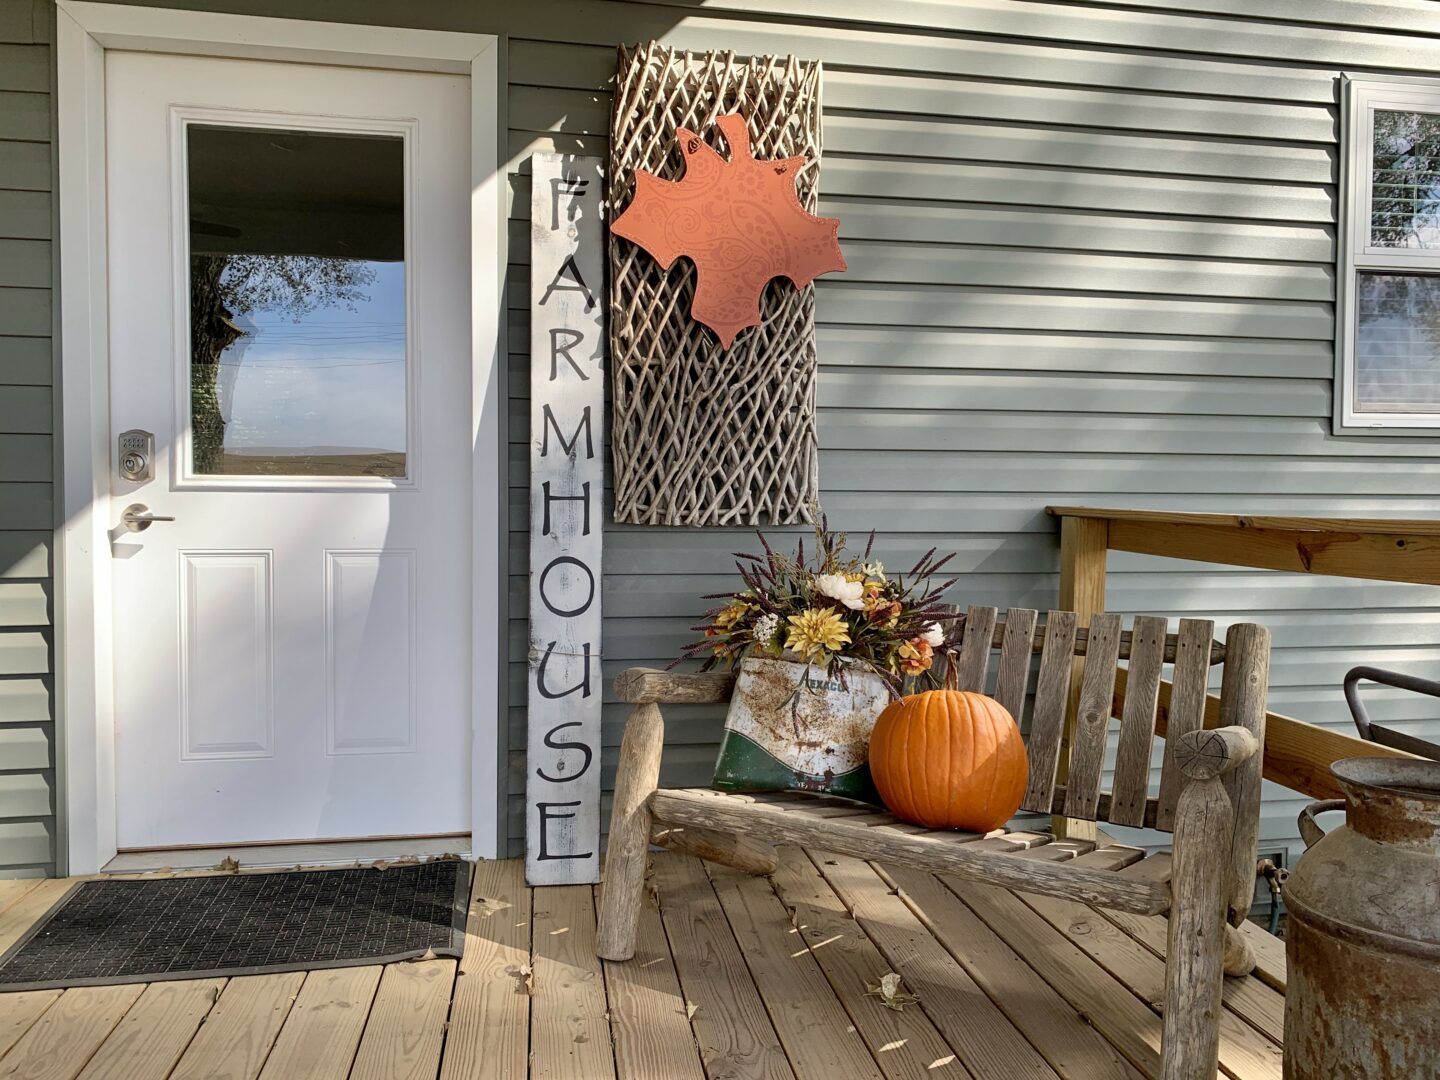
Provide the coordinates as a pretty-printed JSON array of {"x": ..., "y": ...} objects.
[
  {"x": 152, "y": 1035},
  {"x": 489, "y": 1034},
  {"x": 813, "y": 1025},
  {"x": 733, "y": 977},
  {"x": 905, "y": 1043},
  {"x": 653, "y": 1037},
  {"x": 975, "y": 1029},
  {"x": 322, "y": 1033},
  {"x": 569, "y": 1036}
]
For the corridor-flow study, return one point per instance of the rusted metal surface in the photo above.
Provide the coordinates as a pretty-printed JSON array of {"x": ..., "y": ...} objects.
[
  {"x": 1363, "y": 943},
  {"x": 791, "y": 726}
]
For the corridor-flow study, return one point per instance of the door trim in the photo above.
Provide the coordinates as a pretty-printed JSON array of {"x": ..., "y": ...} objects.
[{"x": 83, "y": 680}]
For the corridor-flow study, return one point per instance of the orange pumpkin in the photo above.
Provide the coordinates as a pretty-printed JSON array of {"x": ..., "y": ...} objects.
[{"x": 949, "y": 759}]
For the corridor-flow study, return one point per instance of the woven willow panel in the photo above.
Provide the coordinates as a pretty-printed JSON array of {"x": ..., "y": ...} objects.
[{"x": 701, "y": 436}]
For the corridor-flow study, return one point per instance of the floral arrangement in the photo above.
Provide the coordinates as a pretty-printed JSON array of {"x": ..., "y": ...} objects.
[{"x": 841, "y": 609}]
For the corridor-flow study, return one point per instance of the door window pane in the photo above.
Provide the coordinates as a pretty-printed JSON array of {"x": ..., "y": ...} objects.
[
  {"x": 1397, "y": 347},
  {"x": 1405, "y": 195},
  {"x": 297, "y": 303}
]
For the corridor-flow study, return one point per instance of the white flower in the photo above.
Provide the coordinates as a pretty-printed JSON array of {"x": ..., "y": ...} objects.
[
  {"x": 933, "y": 635},
  {"x": 765, "y": 627},
  {"x": 874, "y": 569},
  {"x": 837, "y": 587}
]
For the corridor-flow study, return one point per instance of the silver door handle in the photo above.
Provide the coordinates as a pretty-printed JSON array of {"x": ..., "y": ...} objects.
[{"x": 137, "y": 517}]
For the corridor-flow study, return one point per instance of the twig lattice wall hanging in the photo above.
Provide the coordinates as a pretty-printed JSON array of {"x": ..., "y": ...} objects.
[{"x": 701, "y": 436}]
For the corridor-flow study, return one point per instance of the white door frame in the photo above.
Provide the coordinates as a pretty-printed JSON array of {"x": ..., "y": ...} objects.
[{"x": 84, "y": 708}]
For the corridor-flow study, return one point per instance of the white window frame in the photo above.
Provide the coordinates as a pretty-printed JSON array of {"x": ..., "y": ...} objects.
[
  {"x": 84, "y": 33},
  {"x": 1359, "y": 100}
]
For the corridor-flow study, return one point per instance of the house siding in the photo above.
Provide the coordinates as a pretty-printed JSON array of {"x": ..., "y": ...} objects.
[
  {"x": 27, "y": 728},
  {"x": 1091, "y": 254}
]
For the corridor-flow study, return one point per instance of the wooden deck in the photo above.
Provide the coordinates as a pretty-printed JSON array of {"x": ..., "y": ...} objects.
[{"x": 735, "y": 977}]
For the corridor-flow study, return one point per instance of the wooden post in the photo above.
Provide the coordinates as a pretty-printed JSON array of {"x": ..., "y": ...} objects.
[
  {"x": 630, "y": 823},
  {"x": 1242, "y": 704},
  {"x": 1196, "y": 935},
  {"x": 1083, "y": 546}
]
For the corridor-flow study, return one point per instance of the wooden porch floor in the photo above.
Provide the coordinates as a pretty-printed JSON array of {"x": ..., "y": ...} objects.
[{"x": 735, "y": 977}]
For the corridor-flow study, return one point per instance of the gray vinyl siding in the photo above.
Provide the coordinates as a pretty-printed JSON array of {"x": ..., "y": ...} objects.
[
  {"x": 1091, "y": 253},
  {"x": 27, "y": 729}
]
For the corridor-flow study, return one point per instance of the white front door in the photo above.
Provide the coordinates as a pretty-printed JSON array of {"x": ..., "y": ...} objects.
[{"x": 289, "y": 319}]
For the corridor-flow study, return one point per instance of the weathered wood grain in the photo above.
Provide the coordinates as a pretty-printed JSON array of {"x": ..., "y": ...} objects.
[
  {"x": 152, "y": 1035},
  {"x": 905, "y": 1043},
  {"x": 1129, "y": 791},
  {"x": 812, "y": 1025},
  {"x": 1073, "y": 1048},
  {"x": 1092, "y": 719},
  {"x": 19, "y": 1010},
  {"x": 936, "y": 850},
  {"x": 630, "y": 830},
  {"x": 1013, "y": 673},
  {"x": 1193, "y": 972},
  {"x": 322, "y": 1032},
  {"x": 971, "y": 1023},
  {"x": 406, "y": 1028},
  {"x": 569, "y": 1035},
  {"x": 1047, "y": 721},
  {"x": 239, "y": 1031},
  {"x": 59, "y": 1044},
  {"x": 1243, "y": 692},
  {"x": 648, "y": 1022},
  {"x": 1212, "y": 752},
  {"x": 728, "y": 849},
  {"x": 489, "y": 1033},
  {"x": 968, "y": 670},
  {"x": 728, "y": 1016},
  {"x": 1185, "y": 705},
  {"x": 567, "y": 506},
  {"x": 641, "y": 685}
]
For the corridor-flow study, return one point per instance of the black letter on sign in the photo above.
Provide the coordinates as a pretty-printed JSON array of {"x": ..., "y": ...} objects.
[
  {"x": 564, "y": 185},
  {"x": 583, "y": 685},
  {"x": 574, "y": 441},
  {"x": 560, "y": 767},
  {"x": 557, "y": 350},
  {"x": 585, "y": 498},
  {"x": 567, "y": 613},
  {"x": 577, "y": 286},
  {"x": 545, "y": 818}
]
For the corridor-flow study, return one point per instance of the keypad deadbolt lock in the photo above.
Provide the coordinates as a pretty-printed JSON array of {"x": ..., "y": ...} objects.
[{"x": 137, "y": 456}]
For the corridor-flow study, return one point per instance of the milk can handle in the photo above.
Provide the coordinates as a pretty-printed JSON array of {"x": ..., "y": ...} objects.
[{"x": 1310, "y": 830}]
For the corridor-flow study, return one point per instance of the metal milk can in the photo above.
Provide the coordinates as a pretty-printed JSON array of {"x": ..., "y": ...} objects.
[{"x": 1363, "y": 936}]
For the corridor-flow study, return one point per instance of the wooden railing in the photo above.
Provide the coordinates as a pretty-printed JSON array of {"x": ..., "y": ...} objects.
[{"x": 1297, "y": 754}]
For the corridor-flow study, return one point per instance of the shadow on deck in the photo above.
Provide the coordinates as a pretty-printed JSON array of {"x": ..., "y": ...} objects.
[{"x": 734, "y": 977}]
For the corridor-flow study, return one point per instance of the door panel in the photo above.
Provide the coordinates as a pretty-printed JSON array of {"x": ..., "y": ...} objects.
[{"x": 289, "y": 314}]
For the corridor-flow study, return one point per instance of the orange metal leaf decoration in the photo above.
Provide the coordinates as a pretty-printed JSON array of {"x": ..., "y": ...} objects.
[{"x": 740, "y": 222}]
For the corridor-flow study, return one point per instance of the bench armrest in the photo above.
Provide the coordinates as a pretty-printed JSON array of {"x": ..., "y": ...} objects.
[
  {"x": 640, "y": 686},
  {"x": 1202, "y": 755}
]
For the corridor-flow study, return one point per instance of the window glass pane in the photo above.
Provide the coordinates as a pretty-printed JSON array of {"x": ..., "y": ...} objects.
[
  {"x": 1397, "y": 343},
  {"x": 1405, "y": 195},
  {"x": 297, "y": 303}
]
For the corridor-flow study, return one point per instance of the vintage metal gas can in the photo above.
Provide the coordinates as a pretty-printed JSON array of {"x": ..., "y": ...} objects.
[{"x": 1363, "y": 933}]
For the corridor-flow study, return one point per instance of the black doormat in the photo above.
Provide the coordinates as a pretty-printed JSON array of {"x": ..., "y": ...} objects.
[{"x": 126, "y": 931}]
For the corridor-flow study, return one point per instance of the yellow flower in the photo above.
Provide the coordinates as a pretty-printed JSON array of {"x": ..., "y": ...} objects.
[
  {"x": 727, "y": 619},
  {"x": 815, "y": 631},
  {"x": 916, "y": 656}
]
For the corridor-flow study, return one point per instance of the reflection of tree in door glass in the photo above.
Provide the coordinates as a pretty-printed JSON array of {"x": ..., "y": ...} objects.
[{"x": 297, "y": 298}]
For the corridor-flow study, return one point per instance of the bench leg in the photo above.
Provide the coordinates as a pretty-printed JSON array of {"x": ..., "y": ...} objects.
[
  {"x": 1195, "y": 946},
  {"x": 713, "y": 845},
  {"x": 627, "y": 851}
]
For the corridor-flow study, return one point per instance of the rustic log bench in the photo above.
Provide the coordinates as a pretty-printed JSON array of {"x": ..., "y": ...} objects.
[{"x": 1209, "y": 795}]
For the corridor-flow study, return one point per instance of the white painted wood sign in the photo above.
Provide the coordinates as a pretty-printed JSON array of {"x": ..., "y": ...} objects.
[{"x": 567, "y": 490}]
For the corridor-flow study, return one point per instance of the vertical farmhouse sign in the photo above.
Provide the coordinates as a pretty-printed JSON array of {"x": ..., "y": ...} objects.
[{"x": 567, "y": 490}]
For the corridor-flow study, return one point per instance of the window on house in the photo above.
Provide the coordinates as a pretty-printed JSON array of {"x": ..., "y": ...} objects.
[{"x": 1388, "y": 316}]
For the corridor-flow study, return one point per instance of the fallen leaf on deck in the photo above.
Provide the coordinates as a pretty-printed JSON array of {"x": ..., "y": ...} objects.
[
  {"x": 428, "y": 954},
  {"x": 228, "y": 863},
  {"x": 889, "y": 992},
  {"x": 690, "y": 1010}
]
